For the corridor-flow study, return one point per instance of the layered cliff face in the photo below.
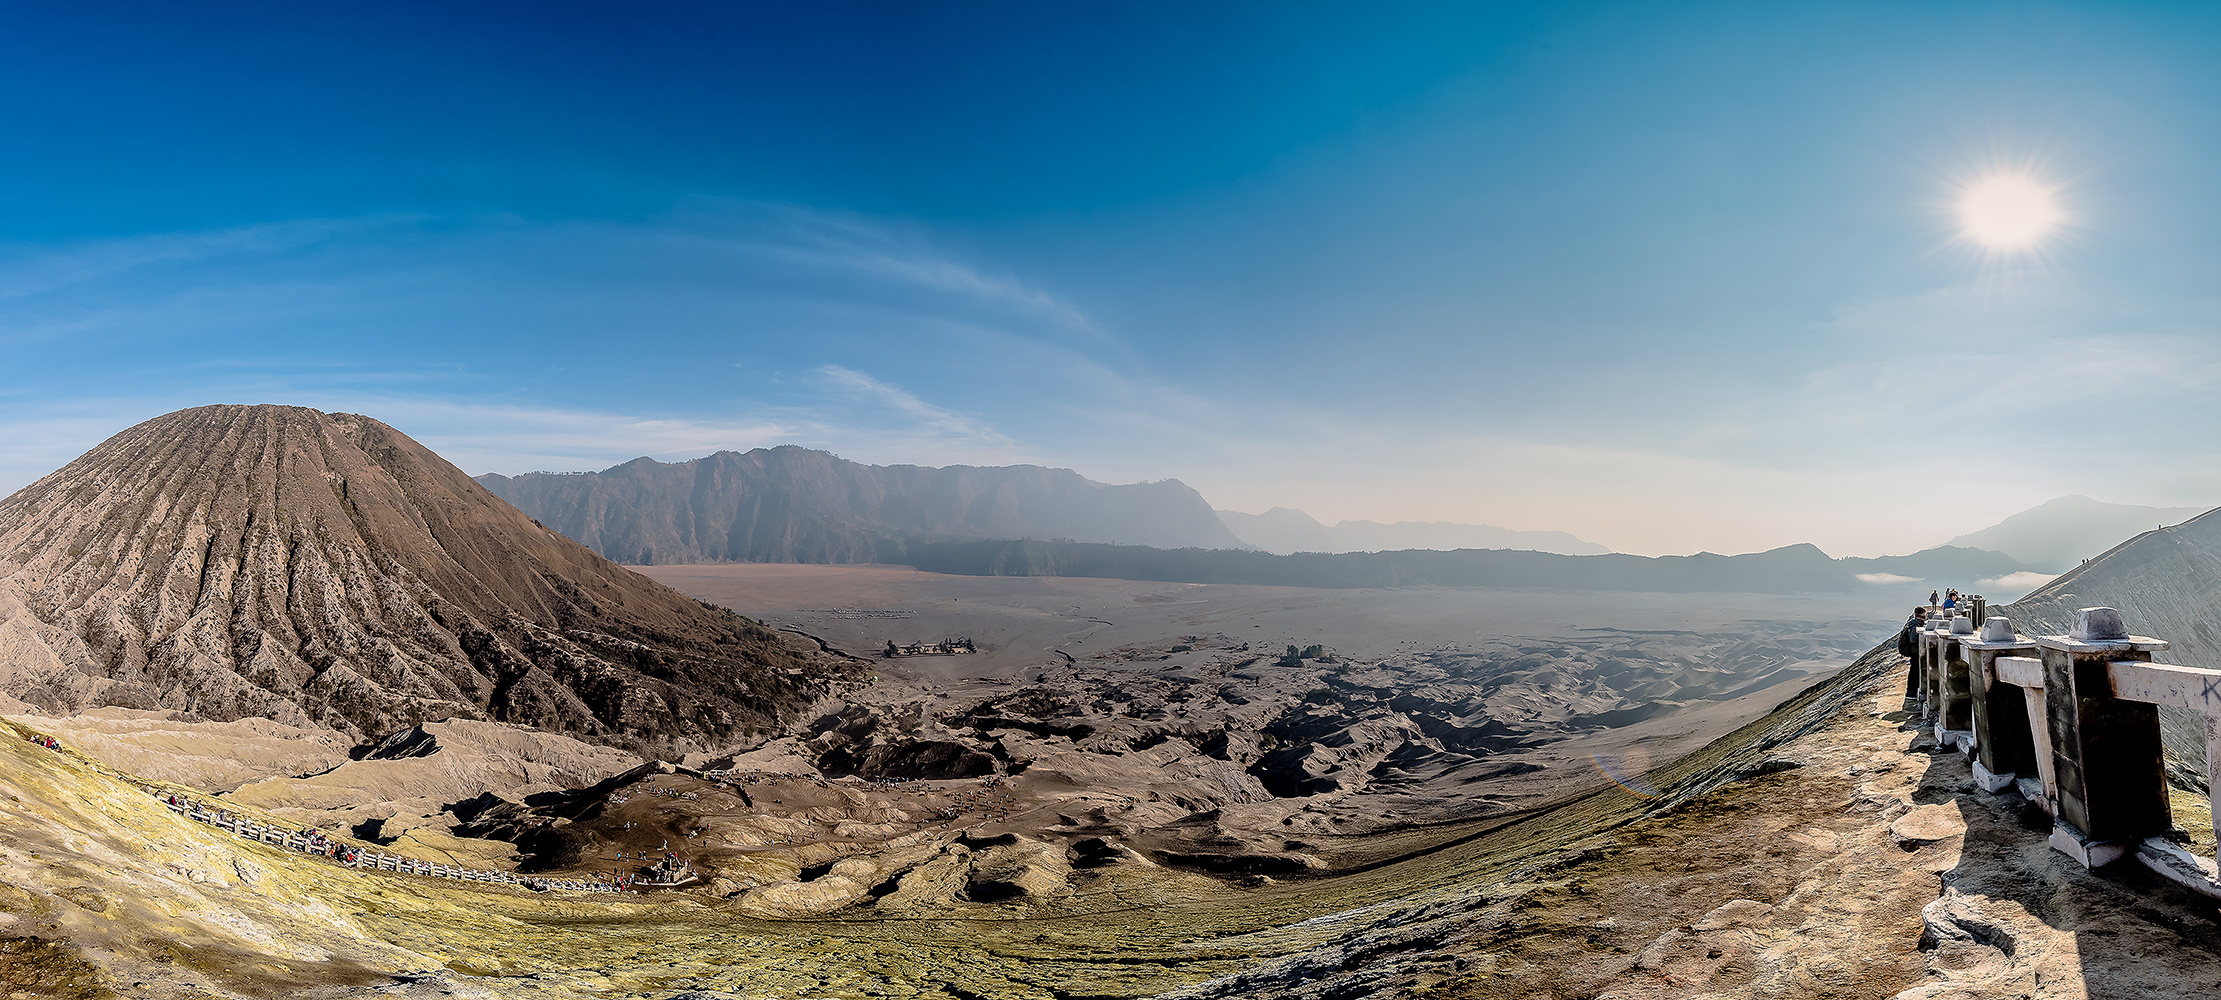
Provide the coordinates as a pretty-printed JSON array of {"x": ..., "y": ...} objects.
[
  {"x": 792, "y": 504},
  {"x": 313, "y": 568}
]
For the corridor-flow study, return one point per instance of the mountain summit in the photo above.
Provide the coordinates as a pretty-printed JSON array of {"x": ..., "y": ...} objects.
[{"x": 323, "y": 568}]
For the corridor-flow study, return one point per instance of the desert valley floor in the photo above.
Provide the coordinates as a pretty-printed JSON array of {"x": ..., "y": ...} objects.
[
  {"x": 1114, "y": 754},
  {"x": 1478, "y": 794},
  {"x": 1517, "y": 696}
]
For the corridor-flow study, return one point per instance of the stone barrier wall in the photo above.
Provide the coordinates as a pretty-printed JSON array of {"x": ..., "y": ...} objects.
[
  {"x": 364, "y": 858},
  {"x": 2071, "y": 722}
]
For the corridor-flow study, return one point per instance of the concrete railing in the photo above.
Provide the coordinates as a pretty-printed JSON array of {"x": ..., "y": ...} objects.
[
  {"x": 364, "y": 858},
  {"x": 2071, "y": 722}
]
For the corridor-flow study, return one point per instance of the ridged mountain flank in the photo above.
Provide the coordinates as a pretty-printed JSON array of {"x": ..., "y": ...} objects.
[
  {"x": 323, "y": 568},
  {"x": 791, "y": 504}
]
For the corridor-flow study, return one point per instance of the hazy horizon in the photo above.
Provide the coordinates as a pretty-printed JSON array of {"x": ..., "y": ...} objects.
[{"x": 1703, "y": 278}]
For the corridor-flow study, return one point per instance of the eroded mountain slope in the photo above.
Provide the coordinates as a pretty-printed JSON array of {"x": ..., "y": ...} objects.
[{"x": 313, "y": 568}]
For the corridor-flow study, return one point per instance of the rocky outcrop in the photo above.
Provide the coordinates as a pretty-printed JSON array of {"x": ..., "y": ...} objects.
[
  {"x": 410, "y": 742},
  {"x": 325, "y": 570}
]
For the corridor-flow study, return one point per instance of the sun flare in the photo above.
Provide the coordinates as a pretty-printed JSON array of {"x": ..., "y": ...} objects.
[{"x": 2008, "y": 212}]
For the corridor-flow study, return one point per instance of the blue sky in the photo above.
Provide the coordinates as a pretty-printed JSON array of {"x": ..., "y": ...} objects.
[{"x": 1670, "y": 277}]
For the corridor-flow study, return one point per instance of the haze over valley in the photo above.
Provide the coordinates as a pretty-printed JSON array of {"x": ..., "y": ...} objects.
[{"x": 1285, "y": 531}]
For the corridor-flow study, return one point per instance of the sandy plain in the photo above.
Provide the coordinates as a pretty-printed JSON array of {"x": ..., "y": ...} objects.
[
  {"x": 1127, "y": 790},
  {"x": 1754, "y": 649},
  {"x": 1825, "y": 850}
]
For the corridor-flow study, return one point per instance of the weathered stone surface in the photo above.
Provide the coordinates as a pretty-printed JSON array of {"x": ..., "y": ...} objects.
[
  {"x": 1927, "y": 824},
  {"x": 2098, "y": 625}
]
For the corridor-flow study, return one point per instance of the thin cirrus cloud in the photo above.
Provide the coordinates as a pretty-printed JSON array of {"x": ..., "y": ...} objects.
[
  {"x": 462, "y": 331},
  {"x": 512, "y": 439},
  {"x": 869, "y": 341},
  {"x": 512, "y": 345},
  {"x": 939, "y": 430}
]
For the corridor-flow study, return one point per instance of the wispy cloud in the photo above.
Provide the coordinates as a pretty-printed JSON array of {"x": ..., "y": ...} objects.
[
  {"x": 512, "y": 439},
  {"x": 923, "y": 419},
  {"x": 463, "y": 331},
  {"x": 28, "y": 270},
  {"x": 511, "y": 345},
  {"x": 881, "y": 254},
  {"x": 2012, "y": 586},
  {"x": 1886, "y": 579}
]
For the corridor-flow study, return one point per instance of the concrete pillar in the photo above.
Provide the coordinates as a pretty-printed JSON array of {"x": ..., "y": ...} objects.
[
  {"x": 1955, "y": 711},
  {"x": 2213, "y": 772},
  {"x": 1912, "y": 670},
  {"x": 1931, "y": 667},
  {"x": 2106, "y": 758},
  {"x": 2004, "y": 742},
  {"x": 1941, "y": 647}
]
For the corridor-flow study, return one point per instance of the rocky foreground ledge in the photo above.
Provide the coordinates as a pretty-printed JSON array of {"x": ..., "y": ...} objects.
[
  {"x": 1824, "y": 851},
  {"x": 1856, "y": 859}
]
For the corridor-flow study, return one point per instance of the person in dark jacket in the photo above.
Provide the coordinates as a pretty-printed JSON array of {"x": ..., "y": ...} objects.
[
  {"x": 1908, "y": 643},
  {"x": 1905, "y": 641}
]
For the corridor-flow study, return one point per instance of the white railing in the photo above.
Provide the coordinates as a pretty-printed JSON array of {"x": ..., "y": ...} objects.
[
  {"x": 364, "y": 858},
  {"x": 2117, "y": 803}
]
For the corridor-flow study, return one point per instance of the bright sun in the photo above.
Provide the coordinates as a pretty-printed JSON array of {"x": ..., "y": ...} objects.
[{"x": 2008, "y": 212}]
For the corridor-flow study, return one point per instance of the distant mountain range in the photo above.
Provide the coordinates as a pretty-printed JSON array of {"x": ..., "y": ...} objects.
[
  {"x": 2057, "y": 535},
  {"x": 1787, "y": 570},
  {"x": 791, "y": 504},
  {"x": 1285, "y": 530}
]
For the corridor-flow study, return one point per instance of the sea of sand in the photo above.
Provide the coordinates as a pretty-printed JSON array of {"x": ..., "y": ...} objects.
[{"x": 1800, "y": 857}]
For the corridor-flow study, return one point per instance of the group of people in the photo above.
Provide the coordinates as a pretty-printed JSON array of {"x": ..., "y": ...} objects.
[
  {"x": 46, "y": 741},
  {"x": 1949, "y": 599}
]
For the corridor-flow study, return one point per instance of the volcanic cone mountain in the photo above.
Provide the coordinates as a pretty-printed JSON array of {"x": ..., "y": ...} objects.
[{"x": 314, "y": 568}]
